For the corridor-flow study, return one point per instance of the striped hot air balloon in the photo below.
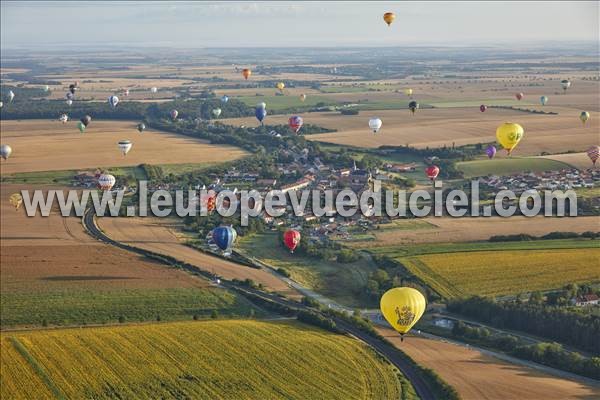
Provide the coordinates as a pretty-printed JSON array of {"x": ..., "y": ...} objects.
[
  {"x": 594, "y": 153},
  {"x": 106, "y": 182}
]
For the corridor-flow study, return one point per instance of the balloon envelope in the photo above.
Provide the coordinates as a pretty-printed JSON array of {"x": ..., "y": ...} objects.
[
  {"x": 174, "y": 114},
  {"x": 86, "y": 120},
  {"x": 302, "y": 97},
  {"x": 140, "y": 127},
  {"x": 519, "y": 96},
  {"x": 402, "y": 307},
  {"x": 5, "y": 151},
  {"x": 260, "y": 113},
  {"x": 543, "y": 100},
  {"x": 291, "y": 239},
  {"x": 113, "y": 101},
  {"x": 408, "y": 92},
  {"x": 482, "y": 108},
  {"x": 224, "y": 237},
  {"x": 295, "y": 123},
  {"x": 432, "y": 171},
  {"x": 216, "y": 112},
  {"x": 594, "y": 153},
  {"x": 125, "y": 146},
  {"x": 246, "y": 72},
  {"x": 375, "y": 124},
  {"x": 81, "y": 127},
  {"x": 490, "y": 151},
  {"x": 64, "y": 118},
  {"x": 106, "y": 182},
  {"x": 15, "y": 200},
  {"x": 509, "y": 135},
  {"x": 280, "y": 86},
  {"x": 584, "y": 116},
  {"x": 224, "y": 99},
  {"x": 389, "y": 17}
]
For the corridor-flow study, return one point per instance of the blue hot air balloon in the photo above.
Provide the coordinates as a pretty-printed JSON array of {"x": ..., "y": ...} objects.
[
  {"x": 224, "y": 236},
  {"x": 261, "y": 113},
  {"x": 224, "y": 99}
]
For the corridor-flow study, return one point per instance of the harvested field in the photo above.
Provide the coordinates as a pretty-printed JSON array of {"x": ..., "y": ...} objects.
[
  {"x": 159, "y": 236},
  {"x": 577, "y": 160},
  {"x": 478, "y": 376},
  {"x": 41, "y": 145},
  {"x": 475, "y": 229}
]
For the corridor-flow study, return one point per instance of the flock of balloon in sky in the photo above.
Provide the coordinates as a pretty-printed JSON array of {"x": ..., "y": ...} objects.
[{"x": 402, "y": 307}]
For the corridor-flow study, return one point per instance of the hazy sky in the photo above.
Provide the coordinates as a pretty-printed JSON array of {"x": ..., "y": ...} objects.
[{"x": 279, "y": 24}]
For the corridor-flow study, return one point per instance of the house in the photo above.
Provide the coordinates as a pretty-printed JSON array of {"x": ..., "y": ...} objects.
[{"x": 587, "y": 300}]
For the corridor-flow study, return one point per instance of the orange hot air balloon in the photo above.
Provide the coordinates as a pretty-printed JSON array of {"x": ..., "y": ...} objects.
[
  {"x": 389, "y": 17},
  {"x": 246, "y": 72}
]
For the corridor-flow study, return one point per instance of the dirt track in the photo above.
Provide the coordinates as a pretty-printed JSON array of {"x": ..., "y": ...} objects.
[
  {"x": 477, "y": 376},
  {"x": 157, "y": 236}
]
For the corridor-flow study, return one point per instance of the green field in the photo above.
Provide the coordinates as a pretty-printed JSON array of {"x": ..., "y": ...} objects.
[
  {"x": 195, "y": 360},
  {"x": 278, "y": 103},
  {"x": 341, "y": 282},
  {"x": 97, "y": 306},
  {"x": 507, "y": 166}
]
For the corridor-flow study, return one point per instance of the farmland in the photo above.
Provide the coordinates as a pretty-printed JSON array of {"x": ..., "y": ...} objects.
[
  {"x": 507, "y": 272},
  {"x": 224, "y": 359},
  {"x": 41, "y": 145},
  {"x": 478, "y": 376},
  {"x": 506, "y": 166}
]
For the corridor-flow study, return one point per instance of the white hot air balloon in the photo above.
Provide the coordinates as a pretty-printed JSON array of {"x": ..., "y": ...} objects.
[
  {"x": 11, "y": 96},
  {"x": 46, "y": 88},
  {"x": 1, "y": 104},
  {"x": 125, "y": 146},
  {"x": 154, "y": 90},
  {"x": 126, "y": 92},
  {"x": 64, "y": 118},
  {"x": 5, "y": 151},
  {"x": 375, "y": 124},
  {"x": 216, "y": 112},
  {"x": 113, "y": 101},
  {"x": 69, "y": 102},
  {"x": 106, "y": 182}
]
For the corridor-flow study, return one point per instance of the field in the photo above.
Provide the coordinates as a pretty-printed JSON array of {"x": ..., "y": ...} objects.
[
  {"x": 54, "y": 273},
  {"x": 161, "y": 236},
  {"x": 498, "y": 273},
  {"x": 508, "y": 166},
  {"x": 476, "y": 229},
  {"x": 217, "y": 360},
  {"x": 578, "y": 160},
  {"x": 478, "y": 376},
  {"x": 341, "y": 282},
  {"x": 41, "y": 145}
]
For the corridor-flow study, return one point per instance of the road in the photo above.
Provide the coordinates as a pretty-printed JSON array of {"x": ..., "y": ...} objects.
[{"x": 386, "y": 350}]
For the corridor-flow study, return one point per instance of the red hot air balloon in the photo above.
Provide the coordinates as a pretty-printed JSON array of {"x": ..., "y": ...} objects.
[
  {"x": 432, "y": 172},
  {"x": 482, "y": 108},
  {"x": 295, "y": 123},
  {"x": 291, "y": 239},
  {"x": 519, "y": 96}
]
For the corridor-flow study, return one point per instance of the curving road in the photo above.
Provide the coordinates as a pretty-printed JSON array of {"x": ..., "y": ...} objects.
[{"x": 392, "y": 354}]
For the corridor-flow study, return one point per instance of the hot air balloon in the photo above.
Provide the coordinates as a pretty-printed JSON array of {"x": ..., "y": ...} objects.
[
  {"x": 125, "y": 146},
  {"x": 174, "y": 114},
  {"x": 140, "y": 127},
  {"x": 81, "y": 127},
  {"x": 295, "y": 123},
  {"x": 69, "y": 102},
  {"x": 216, "y": 112},
  {"x": 46, "y": 88},
  {"x": 509, "y": 135},
  {"x": 209, "y": 200},
  {"x": 224, "y": 237},
  {"x": 302, "y": 97},
  {"x": 262, "y": 104},
  {"x": 519, "y": 96},
  {"x": 432, "y": 172},
  {"x": 565, "y": 83},
  {"x": 64, "y": 118},
  {"x": 11, "y": 96},
  {"x": 280, "y": 86},
  {"x": 69, "y": 96},
  {"x": 408, "y": 92},
  {"x": 375, "y": 124},
  {"x": 593, "y": 153},
  {"x": 413, "y": 106},
  {"x": 260, "y": 113},
  {"x": 126, "y": 92},
  {"x": 1, "y": 104},
  {"x": 153, "y": 89},
  {"x": 113, "y": 101},
  {"x": 389, "y": 17},
  {"x": 291, "y": 239},
  {"x": 402, "y": 308},
  {"x": 86, "y": 120},
  {"x": 5, "y": 151},
  {"x": 246, "y": 72},
  {"x": 72, "y": 88},
  {"x": 482, "y": 108},
  {"x": 106, "y": 182},
  {"x": 15, "y": 200},
  {"x": 543, "y": 100},
  {"x": 224, "y": 99},
  {"x": 491, "y": 151},
  {"x": 584, "y": 116}
]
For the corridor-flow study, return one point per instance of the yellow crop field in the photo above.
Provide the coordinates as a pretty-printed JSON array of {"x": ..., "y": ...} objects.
[
  {"x": 201, "y": 360},
  {"x": 495, "y": 273}
]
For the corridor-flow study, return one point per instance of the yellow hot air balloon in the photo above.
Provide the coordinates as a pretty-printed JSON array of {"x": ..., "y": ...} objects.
[
  {"x": 16, "y": 200},
  {"x": 302, "y": 97},
  {"x": 280, "y": 86},
  {"x": 509, "y": 135},
  {"x": 408, "y": 92},
  {"x": 389, "y": 17},
  {"x": 402, "y": 308},
  {"x": 584, "y": 116}
]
